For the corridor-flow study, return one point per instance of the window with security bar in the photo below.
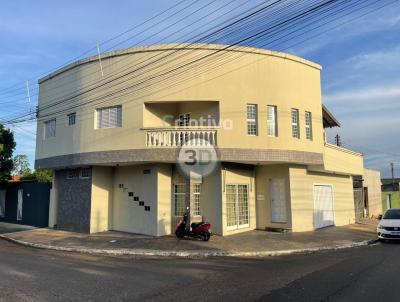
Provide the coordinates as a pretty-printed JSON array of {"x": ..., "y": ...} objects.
[
  {"x": 295, "y": 123},
  {"x": 308, "y": 120},
  {"x": 252, "y": 119},
  {"x": 71, "y": 119},
  {"x": 272, "y": 125},
  {"x": 180, "y": 203},
  {"x": 196, "y": 199},
  {"x": 109, "y": 117}
]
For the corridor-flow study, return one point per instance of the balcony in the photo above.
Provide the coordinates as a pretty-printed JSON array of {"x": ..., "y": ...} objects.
[{"x": 177, "y": 136}]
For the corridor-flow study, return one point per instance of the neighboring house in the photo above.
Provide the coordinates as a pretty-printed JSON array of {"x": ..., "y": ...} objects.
[
  {"x": 390, "y": 193},
  {"x": 367, "y": 194},
  {"x": 25, "y": 202},
  {"x": 115, "y": 153}
]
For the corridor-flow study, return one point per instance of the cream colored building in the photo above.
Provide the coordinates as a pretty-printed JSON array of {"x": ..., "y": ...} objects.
[{"x": 113, "y": 141}]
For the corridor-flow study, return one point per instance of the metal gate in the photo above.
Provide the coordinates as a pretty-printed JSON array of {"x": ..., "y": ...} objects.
[{"x": 358, "y": 204}]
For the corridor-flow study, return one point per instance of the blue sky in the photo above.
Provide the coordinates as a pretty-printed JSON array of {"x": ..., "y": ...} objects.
[{"x": 360, "y": 77}]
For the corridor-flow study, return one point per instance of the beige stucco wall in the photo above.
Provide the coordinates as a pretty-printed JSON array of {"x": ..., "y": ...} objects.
[
  {"x": 260, "y": 77},
  {"x": 302, "y": 199},
  {"x": 164, "y": 205},
  {"x": 210, "y": 200},
  {"x": 101, "y": 200},
  {"x": 372, "y": 180},
  {"x": 265, "y": 173},
  {"x": 128, "y": 215},
  {"x": 341, "y": 160},
  {"x": 237, "y": 175}
]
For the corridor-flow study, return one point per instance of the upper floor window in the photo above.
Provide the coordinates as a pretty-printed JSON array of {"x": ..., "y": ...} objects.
[
  {"x": 49, "y": 129},
  {"x": 272, "y": 124},
  {"x": 109, "y": 117},
  {"x": 71, "y": 119},
  {"x": 252, "y": 119},
  {"x": 308, "y": 119},
  {"x": 295, "y": 123},
  {"x": 184, "y": 119}
]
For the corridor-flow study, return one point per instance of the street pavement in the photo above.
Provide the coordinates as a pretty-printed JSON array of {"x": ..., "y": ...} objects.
[{"x": 361, "y": 274}]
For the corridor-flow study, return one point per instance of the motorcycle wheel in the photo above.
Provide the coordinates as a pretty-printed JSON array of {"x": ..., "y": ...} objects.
[
  {"x": 179, "y": 233},
  {"x": 206, "y": 236}
]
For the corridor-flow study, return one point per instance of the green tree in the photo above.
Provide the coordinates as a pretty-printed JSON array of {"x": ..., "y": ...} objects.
[
  {"x": 21, "y": 165},
  {"x": 7, "y": 146},
  {"x": 38, "y": 175}
]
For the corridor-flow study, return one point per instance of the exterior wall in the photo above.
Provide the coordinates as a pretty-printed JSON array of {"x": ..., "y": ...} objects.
[
  {"x": 128, "y": 215},
  {"x": 74, "y": 198},
  {"x": 395, "y": 200},
  {"x": 302, "y": 199},
  {"x": 260, "y": 77},
  {"x": 210, "y": 200},
  {"x": 238, "y": 174},
  {"x": 372, "y": 180},
  {"x": 341, "y": 160},
  {"x": 164, "y": 207},
  {"x": 101, "y": 199},
  {"x": 264, "y": 174}
]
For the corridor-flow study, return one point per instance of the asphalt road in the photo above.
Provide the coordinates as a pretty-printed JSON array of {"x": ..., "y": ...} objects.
[{"x": 361, "y": 274}]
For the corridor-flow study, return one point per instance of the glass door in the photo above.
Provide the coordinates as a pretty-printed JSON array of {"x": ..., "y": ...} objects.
[{"x": 237, "y": 206}]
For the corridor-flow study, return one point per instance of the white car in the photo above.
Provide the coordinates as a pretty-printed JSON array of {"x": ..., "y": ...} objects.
[{"x": 389, "y": 226}]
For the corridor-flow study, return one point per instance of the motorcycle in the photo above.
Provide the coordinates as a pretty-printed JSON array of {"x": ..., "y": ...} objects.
[{"x": 200, "y": 230}]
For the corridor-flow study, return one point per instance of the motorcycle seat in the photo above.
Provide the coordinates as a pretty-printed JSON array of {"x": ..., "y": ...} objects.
[{"x": 195, "y": 225}]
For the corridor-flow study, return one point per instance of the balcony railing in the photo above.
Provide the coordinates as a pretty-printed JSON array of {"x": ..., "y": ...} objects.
[{"x": 176, "y": 137}]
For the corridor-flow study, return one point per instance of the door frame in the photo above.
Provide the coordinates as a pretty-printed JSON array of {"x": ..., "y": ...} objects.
[
  {"x": 237, "y": 226},
  {"x": 333, "y": 202}
]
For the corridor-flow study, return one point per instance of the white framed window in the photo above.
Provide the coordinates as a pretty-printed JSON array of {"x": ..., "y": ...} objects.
[
  {"x": 237, "y": 206},
  {"x": 196, "y": 199},
  {"x": 308, "y": 120},
  {"x": 295, "y": 123},
  {"x": 272, "y": 122},
  {"x": 109, "y": 117},
  {"x": 71, "y": 119},
  {"x": 49, "y": 129},
  {"x": 180, "y": 203},
  {"x": 84, "y": 173},
  {"x": 72, "y": 174},
  {"x": 252, "y": 128}
]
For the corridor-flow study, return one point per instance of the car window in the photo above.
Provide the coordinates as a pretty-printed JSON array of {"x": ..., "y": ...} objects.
[{"x": 392, "y": 214}]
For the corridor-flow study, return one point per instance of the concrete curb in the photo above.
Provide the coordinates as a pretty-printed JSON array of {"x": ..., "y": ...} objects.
[{"x": 187, "y": 254}]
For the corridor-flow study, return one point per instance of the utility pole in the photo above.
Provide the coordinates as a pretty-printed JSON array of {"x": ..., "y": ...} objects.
[
  {"x": 392, "y": 168},
  {"x": 338, "y": 140}
]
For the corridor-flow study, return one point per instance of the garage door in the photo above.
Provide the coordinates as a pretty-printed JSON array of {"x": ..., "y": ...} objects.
[{"x": 323, "y": 206}]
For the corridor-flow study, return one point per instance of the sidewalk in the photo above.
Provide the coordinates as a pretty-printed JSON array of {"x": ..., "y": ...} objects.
[{"x": 249, "y": 244}]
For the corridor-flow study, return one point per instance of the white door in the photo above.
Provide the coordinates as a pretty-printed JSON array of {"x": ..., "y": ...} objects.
[
  {"x": 237, "y": 206},
  {"x": 19, "y": 207},
  {"x": 323, "y": 206},
  {"x": 278, "y": 200}
]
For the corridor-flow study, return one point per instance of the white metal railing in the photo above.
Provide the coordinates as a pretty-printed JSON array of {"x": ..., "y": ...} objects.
[{"x": 176, "y": 137}]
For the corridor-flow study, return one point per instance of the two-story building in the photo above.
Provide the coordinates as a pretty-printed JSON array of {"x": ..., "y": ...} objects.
[{"x": 115, "y": 141}]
